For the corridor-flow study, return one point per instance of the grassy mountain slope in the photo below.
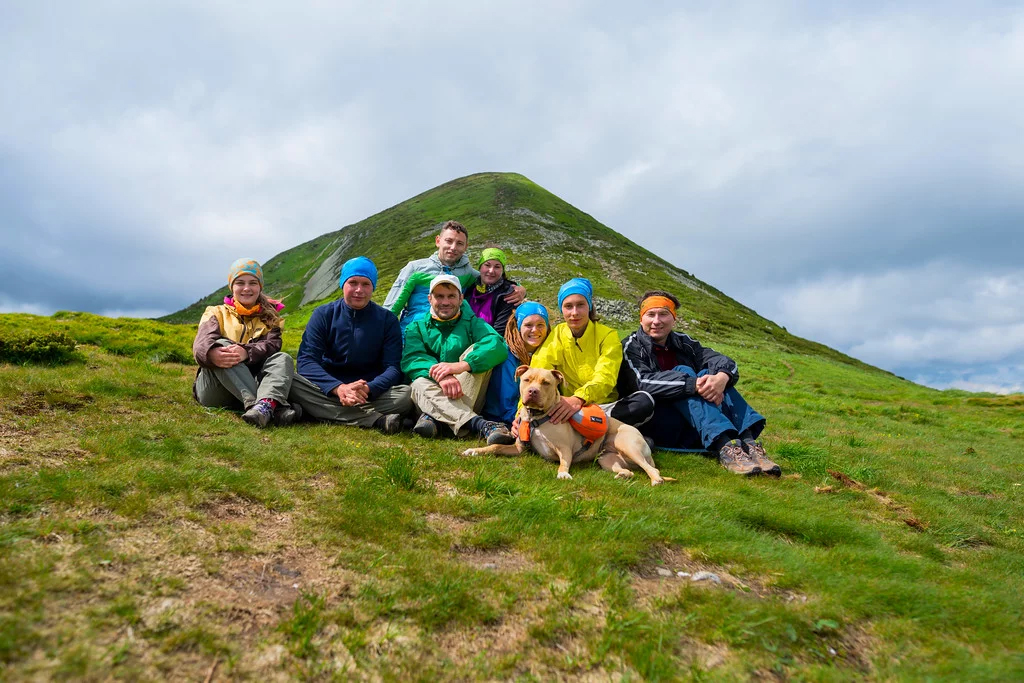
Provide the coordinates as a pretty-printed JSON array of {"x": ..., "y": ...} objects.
[
  {"x": 143, "y": 537},
  {"x": 548, "y": 241}
]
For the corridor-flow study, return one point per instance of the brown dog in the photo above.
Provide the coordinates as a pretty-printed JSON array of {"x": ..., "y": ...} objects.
[{"x": 620, "y": 450}]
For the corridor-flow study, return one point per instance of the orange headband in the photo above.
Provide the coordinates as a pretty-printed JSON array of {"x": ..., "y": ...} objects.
[{"x": 657, "y": 302}]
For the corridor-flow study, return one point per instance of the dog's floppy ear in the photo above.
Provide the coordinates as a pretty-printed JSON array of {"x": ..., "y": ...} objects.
[
  {"x": 559, "y": 377},
  {"x": 520, "y": 370}
]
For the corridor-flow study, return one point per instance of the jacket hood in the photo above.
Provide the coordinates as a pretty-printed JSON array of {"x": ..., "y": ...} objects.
[{"x": 463, "y": 262}]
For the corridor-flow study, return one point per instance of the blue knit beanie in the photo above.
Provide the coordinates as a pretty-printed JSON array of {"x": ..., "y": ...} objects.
[
  {"x": 361, "y": 266},
  {"x": 528, "y": 308},
  {"x": 577, "y": 285}
]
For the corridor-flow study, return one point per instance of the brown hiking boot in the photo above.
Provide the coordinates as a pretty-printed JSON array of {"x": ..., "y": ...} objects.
[
  {"x": 756, "y": 452},
  {"x": 735, "y": 459}
]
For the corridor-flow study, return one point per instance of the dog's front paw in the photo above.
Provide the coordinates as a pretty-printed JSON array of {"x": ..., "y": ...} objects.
[
  {"x": 471, "y": 451},
  {"x": 655, "y": 482},
  {"x": 625, "y": 474},
  {"x": 564, "y": 475}
]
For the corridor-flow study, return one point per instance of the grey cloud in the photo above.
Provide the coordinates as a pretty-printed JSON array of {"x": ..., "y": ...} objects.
[{"x": 940, "y": 323}]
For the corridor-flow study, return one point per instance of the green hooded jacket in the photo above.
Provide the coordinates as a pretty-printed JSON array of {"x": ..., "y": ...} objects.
[{"x": 430, "y": 341}]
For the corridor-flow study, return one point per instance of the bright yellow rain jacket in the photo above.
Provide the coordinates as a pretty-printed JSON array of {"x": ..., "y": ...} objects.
[{"x": 590, "y": 364}]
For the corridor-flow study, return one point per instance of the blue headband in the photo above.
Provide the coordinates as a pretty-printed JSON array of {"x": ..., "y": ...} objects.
[
  {"x": 528, "y": 308},
  {"x": 577, "y": 285},
  {"x": 358, "y": 266}
]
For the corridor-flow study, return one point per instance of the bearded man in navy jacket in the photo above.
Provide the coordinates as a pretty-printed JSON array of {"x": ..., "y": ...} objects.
[
  {"x": 694, "y": 390},
  {"x": 349, "y": 363}
]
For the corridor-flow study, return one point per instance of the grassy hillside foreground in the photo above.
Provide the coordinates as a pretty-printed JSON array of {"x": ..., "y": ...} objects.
[{"x": 144, "y": 537}]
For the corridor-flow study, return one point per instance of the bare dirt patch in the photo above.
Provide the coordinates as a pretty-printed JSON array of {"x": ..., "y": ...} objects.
[
  {"x": 901, "y": 511},
  {"x": 445, "y": 489},
  {"x": 251, "y": 592},
  {"x": 447, "y": 524},
  {"x": 35, "y": 402},
  {"x": 650, "y": 583},
  {"x": 121, "y": 410},
  {"x": 503, "y": 560},
  {"x": 235, "y": 508},
  {"x": 510, "y": 642},
  {"x": 857, "y": 647},
  {"x": 12, "y": 432},
  {"x": 321, "y": 483},
  {"x": 974, "y": 493},
  {"x": 181, "y": 583},
  {"x": 19, "y": 449}
]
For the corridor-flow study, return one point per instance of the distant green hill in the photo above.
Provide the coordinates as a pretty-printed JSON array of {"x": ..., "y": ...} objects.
[{"x": 548, "y": 241}]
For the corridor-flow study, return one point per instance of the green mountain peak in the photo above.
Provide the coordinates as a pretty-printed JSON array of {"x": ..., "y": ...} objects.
[{"x": 547, "y": 240}]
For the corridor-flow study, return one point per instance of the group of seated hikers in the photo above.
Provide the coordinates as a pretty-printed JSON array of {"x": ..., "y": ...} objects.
[{"x": 440, "y": 357}]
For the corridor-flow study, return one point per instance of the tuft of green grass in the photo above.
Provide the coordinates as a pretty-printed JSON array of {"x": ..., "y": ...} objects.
[
  {"x": 398, "y": 468},
  {"x": 807, "y": 459},
  {"x": 305, "y": 624},
  {"x": 448, "y": 596},
  {"x": 50, "y": 348}
]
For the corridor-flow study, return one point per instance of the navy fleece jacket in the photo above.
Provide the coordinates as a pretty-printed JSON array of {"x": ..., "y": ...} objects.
[{"x": 341, "y": 345}]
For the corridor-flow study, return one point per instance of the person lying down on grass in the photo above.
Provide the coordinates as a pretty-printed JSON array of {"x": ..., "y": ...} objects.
[{"x": 238, "y": 349}]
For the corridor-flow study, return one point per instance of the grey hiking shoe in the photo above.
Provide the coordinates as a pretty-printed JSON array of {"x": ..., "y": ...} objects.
[
  {"x": 287, "y": 415},
  {"x": 389, "y": 424},
  {"x": 426, "y": 427},
  {"x": 756, "y": 452},
  {"x": 496, "y": 432},
  {"x": 735, "y": 459},
  {"x": 259, "y": 415}
]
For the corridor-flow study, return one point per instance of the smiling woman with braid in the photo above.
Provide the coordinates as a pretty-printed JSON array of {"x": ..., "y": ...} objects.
[{"x": 525, "y": 331}]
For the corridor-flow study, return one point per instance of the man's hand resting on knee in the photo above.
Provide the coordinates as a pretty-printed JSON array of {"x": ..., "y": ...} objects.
[
  {"x": 451, "y": 387},
  {"x": 439, "y": 371},
  {"x": 711, "y": 388}
]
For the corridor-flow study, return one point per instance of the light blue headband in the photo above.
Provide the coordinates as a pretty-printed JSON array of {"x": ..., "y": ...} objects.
[
  {"x": 528, "y": 308},
  {"x": 577, "y": 285}
]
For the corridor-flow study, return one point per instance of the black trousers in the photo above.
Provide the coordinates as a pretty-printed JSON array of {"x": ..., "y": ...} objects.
[{"x": 635, "y": 409}]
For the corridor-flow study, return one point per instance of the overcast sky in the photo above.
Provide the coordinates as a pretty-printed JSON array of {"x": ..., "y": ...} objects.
[{"x": 853, "y": 171}]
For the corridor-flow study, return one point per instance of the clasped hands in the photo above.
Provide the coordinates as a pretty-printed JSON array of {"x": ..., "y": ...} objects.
[
  {"x": 444, "y": 375},
  {"x": 228, "y": 356},
  {"x": 354, "y": 393}
]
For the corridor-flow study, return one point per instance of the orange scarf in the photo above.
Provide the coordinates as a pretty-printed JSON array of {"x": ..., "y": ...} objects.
[{"x": 242, "y": 310}]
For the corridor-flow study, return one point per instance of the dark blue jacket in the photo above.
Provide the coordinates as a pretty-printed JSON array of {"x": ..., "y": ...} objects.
[{"x": 341, "y": 345}]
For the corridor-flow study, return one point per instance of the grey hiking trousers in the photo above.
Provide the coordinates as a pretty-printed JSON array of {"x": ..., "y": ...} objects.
[
  {"x": 236, "y": 386},
  {"x": 320, "y": 406},
  {"x": 429, "y": 398}
]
